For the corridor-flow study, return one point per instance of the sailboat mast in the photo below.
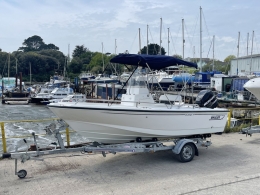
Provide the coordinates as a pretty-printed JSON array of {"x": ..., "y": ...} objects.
[
  {"x": 15, "y": 65},
  {"x": 8, "y": 67},
  {"x": 247, "y": 44},
  {"x": 213, "y": 66},
  {"x": 161, "y": 37},
  {"x": 115, "y": 54},
  {"x": 115, "y": 46},
  {"x": 168, "y": 41},
  {"x": 147, "y": 41},
  {"x": 200, "y": 39},
  {"x": 183, "y": 40},
  {"x": 193, "y": 52},
  {"x": 30, "y": 73},
  {"x": 103, "y": 57},
  {"x": 68, "y": 60},
  {"x": 252, "y": 51},
  {"x": 238, "y": 50},
  {"x": 140, "y": 41}
]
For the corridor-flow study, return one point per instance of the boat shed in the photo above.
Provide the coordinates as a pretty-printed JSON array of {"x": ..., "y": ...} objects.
[{"x": 246, "y": 65}]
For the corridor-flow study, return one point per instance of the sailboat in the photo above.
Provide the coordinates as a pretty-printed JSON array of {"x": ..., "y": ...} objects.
[{"x": 138, "y": 117}]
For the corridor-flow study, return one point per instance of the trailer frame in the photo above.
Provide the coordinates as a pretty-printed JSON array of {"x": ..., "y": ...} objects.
[{"x": 184, "y": 148}]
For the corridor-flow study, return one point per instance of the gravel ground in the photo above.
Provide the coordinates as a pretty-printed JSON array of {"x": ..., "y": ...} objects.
[{"x": 229, "y": 166}]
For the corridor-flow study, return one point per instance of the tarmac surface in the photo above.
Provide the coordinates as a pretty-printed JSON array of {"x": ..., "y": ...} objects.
[{"x": 231, "y": 165}]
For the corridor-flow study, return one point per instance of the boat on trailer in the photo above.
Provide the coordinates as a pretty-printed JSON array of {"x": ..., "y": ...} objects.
[{"x": 137, "y": 117}]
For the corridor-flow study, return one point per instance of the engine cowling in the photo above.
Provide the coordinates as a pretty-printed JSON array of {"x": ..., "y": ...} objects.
[{"x": 206, "y": 98}]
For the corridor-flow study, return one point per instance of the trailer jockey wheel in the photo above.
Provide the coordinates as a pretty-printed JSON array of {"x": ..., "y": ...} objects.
[
  {"x": 138, "y": 139},
  {"x": 187, "y": 153},
  {"x": 22, "y": 174}
]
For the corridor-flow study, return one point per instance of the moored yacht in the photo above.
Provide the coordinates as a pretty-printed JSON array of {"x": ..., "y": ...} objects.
[
  {"x": 138, "y": 117},
  {"x": 253, "y": 86}
]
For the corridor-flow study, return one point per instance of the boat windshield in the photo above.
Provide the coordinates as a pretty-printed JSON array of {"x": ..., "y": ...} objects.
[{"x": 139, "y": 78}]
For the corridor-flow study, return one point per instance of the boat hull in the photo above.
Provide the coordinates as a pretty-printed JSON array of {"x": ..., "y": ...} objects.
[
  {"x": 253, "y": 87},
  {"x": 39, "y": 100},
  {"x": 116, "y": 124}
]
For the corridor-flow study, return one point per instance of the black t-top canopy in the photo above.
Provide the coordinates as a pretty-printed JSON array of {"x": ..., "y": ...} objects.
[{"x": 155, "y": 62}]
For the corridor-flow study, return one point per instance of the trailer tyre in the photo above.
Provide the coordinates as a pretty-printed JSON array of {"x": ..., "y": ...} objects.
[
  {"x": 187, "y": 153},
  {"x": 22, "y": 174}
]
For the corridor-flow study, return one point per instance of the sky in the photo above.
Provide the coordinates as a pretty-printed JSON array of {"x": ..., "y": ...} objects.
[{"x": 112, "y": 26}]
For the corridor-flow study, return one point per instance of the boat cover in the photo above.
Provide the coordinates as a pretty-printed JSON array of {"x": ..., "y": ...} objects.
[{"x": 155, "y": 62}]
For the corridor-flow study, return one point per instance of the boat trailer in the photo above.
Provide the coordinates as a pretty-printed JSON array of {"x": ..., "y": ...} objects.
[
  {"x": 183, "y": 148},
  {"x": 250, "y": 130}
]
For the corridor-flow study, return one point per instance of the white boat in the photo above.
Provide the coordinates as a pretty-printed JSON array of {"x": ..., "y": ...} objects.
[
  {"x": 161, "y": 77},
  {"x": 124, "y": 77},
  {"x": 59, "y": 93},
  {"x": 70, "y": 98},
  {"x": 41, "y": 97},
  {"x": 102, "y": 79},
  {"x": 138, "y": 117},
  {"x": 253, "y": 86},
  {"x": 84, "y": 76}
]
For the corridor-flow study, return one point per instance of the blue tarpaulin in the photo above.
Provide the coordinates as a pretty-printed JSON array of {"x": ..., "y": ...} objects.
[{"x": 155, "y": 62}]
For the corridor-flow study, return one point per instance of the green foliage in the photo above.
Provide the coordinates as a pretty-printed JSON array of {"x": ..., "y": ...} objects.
[
  {"x": 218, "y": 65},
  {"x": 153, "y": 49},
  {"x": 229, "y": 58},
  {"x": 75, "y": 65},
  {"x": 35, "y": 43},
  {"x": 177, "y": 56},
  {"x": 79, "y": 50},
  {"x": 43, "y": 64},
  {"x": 46, "y": 59}
]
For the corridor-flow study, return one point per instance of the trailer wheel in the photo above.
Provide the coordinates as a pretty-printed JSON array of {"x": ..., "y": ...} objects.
[
  {"x": 22, "y": 174},
  {"x": 187, "y": 153}
]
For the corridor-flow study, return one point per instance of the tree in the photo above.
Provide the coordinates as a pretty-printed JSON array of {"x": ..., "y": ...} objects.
[
  {"x": 35, "y": 43},
  {"x": 228, "y": 60},
  {"x": 218, "y": 66},
  {"x": 177, "y": 56},
  {"x": 79, "y": 50},
  {"x": 153, "y": 49},
  {"x": 49, "y": 46},
  {"x": 86, "y": 57},
  {"x": 32, "y": 44}
]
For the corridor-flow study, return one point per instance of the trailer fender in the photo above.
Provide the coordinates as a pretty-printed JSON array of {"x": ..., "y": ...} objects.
[{"x": 177, "y": 148}]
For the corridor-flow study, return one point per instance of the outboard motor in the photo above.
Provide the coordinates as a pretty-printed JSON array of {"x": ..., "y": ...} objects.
[{"x": 206, "y": 98}]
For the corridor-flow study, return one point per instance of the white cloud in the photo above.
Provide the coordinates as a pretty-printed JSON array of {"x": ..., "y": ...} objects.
[{"x": 92, "y": 22}]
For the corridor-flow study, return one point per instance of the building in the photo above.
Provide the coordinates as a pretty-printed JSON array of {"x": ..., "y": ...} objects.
[{"x": 245, "y": 65}]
